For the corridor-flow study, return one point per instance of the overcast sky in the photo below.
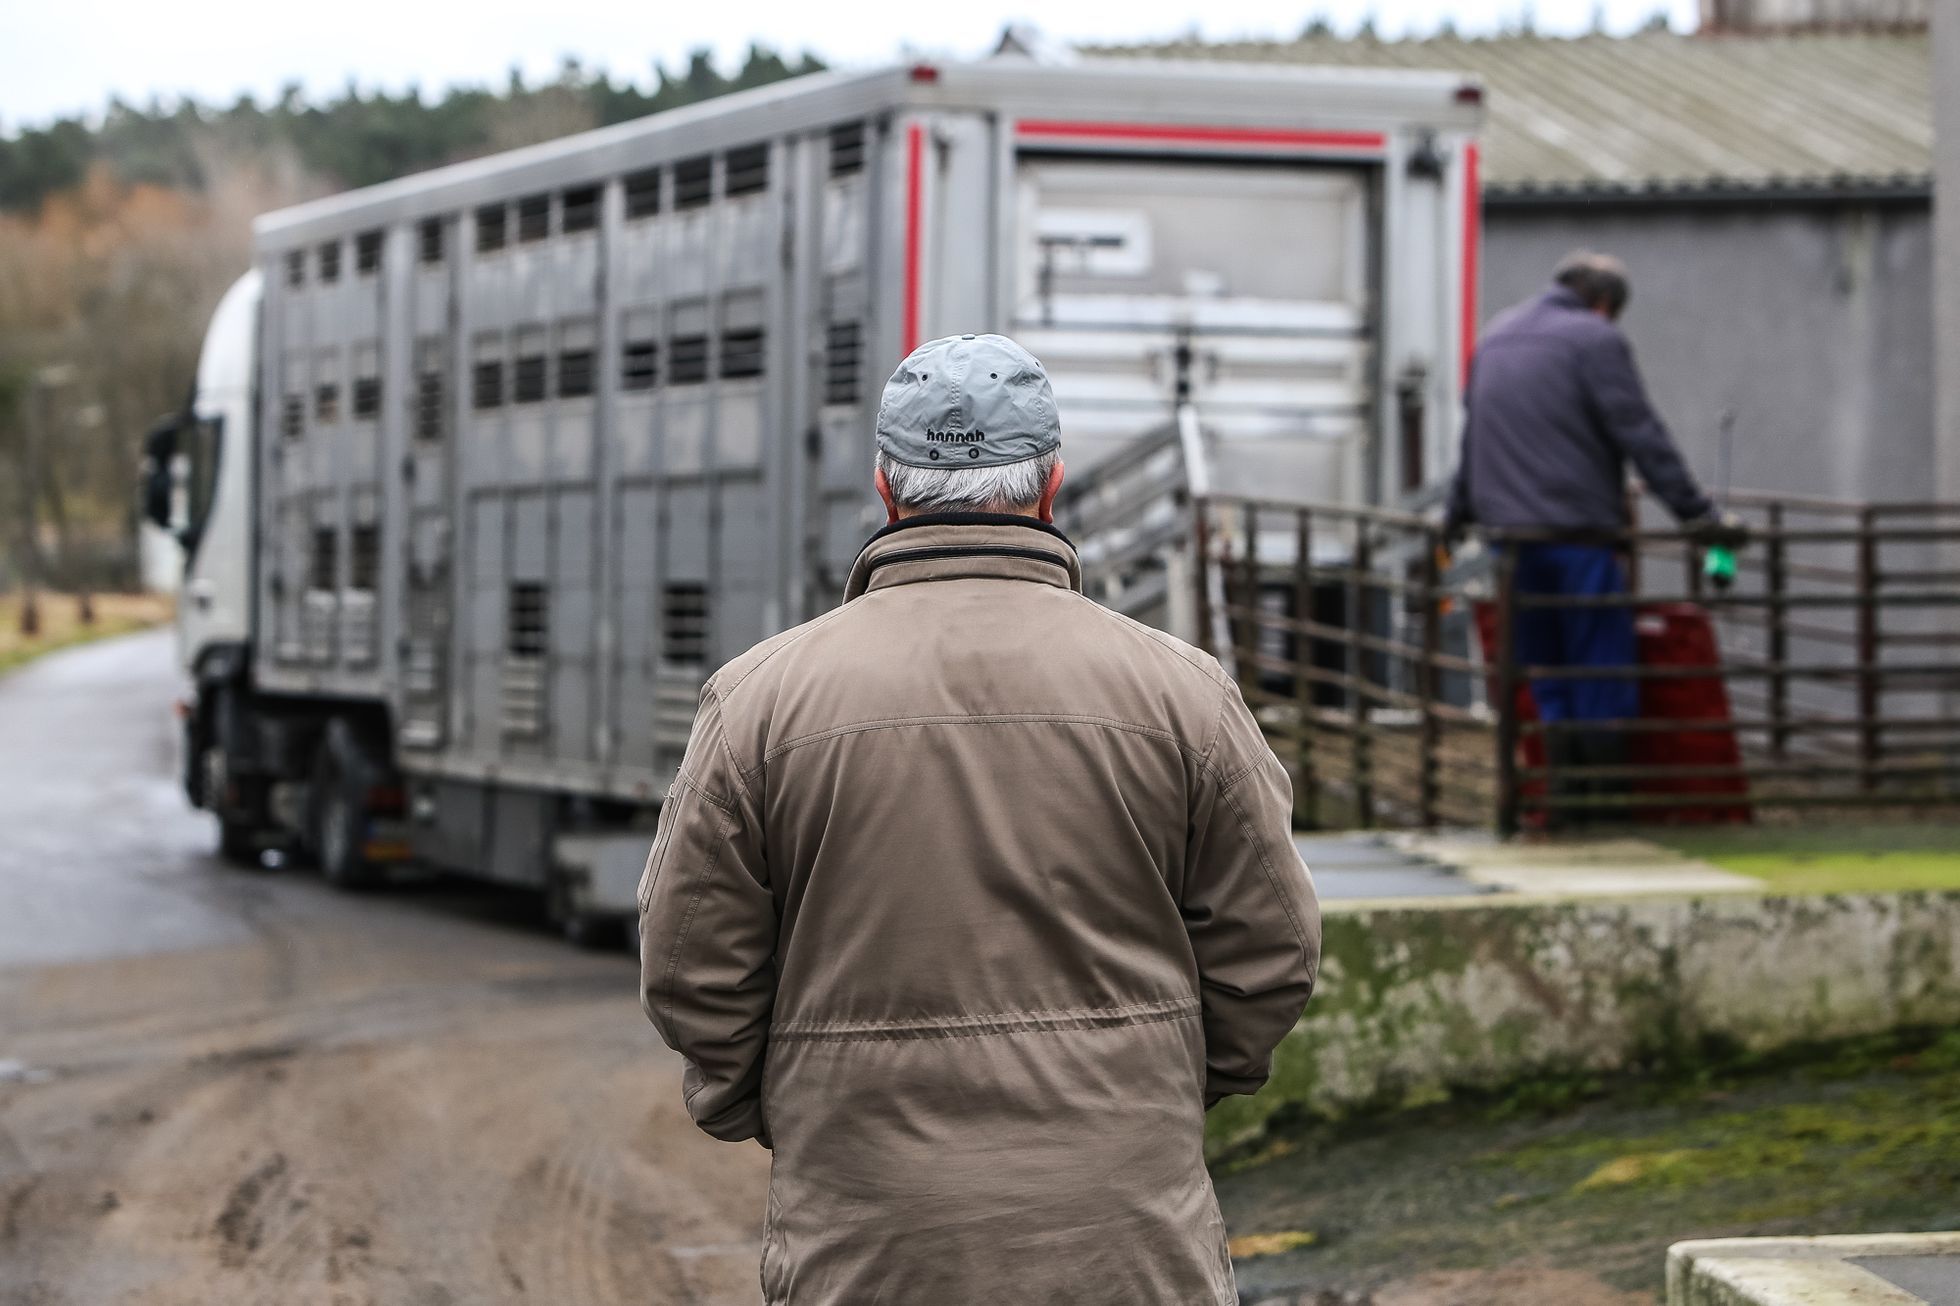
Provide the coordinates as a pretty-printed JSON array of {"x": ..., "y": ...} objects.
[{"x": 69, "y": 56}]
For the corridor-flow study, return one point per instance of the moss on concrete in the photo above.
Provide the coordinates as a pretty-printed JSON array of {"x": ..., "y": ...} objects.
[{"x": 1418, "y": 1005}]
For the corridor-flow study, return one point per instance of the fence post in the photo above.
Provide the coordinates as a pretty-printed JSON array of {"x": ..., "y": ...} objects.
[
  {"x": 1356, "y": 665},
  {"x": 1691, "y": 556},
  {"x": 1306, "y": 802},
  {"x": 1633, "y": 542},
  {"x": 1430, "y": 577},
  {"x": 1201, "y": 573},
  {"x": 1248, "y": 604},
  {"x": 1776, "y": 580},
  {"x": 1507, "y": 692},
  {"x": 1867, "y": 647}
]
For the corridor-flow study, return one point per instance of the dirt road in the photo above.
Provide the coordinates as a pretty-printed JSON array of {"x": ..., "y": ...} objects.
[{"x": 222, "y": 1086}]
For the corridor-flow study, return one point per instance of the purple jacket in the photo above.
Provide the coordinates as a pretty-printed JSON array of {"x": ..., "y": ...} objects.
[{"x": 1555, "y": 410}]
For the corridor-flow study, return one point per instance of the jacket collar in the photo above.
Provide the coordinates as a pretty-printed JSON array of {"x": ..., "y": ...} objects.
[
  {"x": 1563, "y": 297},
  {"x": 959, "y": 545}
]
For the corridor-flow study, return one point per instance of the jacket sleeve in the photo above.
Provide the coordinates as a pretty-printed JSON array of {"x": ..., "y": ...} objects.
[
  {"x": 708, "y": 934},
  {"x": 1248, "y": 905},
  {"x": 1619, "y": 400}
]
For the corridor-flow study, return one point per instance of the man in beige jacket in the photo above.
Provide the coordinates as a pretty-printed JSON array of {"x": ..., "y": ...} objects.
[{"x": 971, "y": 896}]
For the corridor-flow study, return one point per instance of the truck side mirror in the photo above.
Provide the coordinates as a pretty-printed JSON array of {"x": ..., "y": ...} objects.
[{"x": 154, "y": 480}]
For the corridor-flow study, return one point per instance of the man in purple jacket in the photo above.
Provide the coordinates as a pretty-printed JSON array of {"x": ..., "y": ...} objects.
[{"x": 1555, "y": 411}]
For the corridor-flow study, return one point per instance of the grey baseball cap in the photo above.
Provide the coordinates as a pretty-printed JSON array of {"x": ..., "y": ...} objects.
[{"x": 968, "y": 401}]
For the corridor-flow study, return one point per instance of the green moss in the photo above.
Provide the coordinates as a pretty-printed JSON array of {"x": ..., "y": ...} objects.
[
  {"x": 1393, "y": 1026},
  {"x": 1834, "y": 1140},
  {"x": 1378, "y": 983},
  {"x": 1858, "y": 1136}
]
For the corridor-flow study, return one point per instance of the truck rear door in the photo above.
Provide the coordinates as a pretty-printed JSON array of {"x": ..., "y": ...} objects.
[{"x": 1246, "y": 284}]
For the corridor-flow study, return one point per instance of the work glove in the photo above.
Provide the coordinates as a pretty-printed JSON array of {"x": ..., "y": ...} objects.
[
  {"x": 1454, "y": 530},
  {"x": 1716, "y": 529}
]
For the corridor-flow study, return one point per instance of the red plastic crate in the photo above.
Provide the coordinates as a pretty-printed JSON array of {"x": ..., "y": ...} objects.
[{"x": 1668, "y": 635}]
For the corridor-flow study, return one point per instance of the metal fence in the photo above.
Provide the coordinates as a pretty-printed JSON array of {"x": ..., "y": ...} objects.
[{"x": 1825, "y": 676}]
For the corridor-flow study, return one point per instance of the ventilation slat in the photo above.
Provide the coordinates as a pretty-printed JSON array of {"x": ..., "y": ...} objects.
[
  {"x": 846, "y": 149},
  {"x": 748, "y": 171},
  {"x": 741, "y": 353},
  {"x": 843, "y": 357},
  {"x": 687, "y": 360},
  {"x": 643, "y": 194},
  {"x": 693, "y": 182}
]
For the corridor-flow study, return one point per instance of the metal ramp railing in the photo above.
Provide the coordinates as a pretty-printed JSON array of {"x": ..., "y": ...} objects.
[{"x": 1145, "y": 548}]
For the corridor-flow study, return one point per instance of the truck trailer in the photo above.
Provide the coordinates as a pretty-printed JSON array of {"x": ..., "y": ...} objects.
[{"x": 487, "y": 469}]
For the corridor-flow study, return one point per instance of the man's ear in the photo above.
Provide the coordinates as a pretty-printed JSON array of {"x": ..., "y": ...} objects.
[
  {"x": 1048, "y": 495},
  {"x": 885, "y": 493}
]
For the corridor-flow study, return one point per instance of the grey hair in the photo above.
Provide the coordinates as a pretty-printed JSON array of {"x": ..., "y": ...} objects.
[
  {"x": 1016, "y": 487},
  {"x": 1600, "y": 280}
]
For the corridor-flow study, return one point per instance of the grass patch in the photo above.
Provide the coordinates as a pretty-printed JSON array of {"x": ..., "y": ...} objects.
[
  {"x": 1833, "y": 859},
  {"x": 62, "y": 625}
]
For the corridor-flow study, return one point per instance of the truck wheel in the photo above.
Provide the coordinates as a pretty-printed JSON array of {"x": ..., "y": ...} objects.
[
  {"x": 237, "y": 804},
  {"x": 238, "y": 843},
  {"x": 341, "y": 780},
  {"x": 589, "y": 930}
]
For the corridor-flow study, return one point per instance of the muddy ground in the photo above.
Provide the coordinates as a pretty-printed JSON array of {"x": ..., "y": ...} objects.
[{"x": 225, "y": 1086}]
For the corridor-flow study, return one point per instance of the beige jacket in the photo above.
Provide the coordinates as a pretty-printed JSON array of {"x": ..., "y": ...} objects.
[{"x": 970, "y": 896}]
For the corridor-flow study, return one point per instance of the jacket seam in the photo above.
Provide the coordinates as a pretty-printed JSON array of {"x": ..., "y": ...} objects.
[
  {"x": 683, "y": 779},
  {"x": 1157, "y": 637},
  {"x": 980, "y": 1017},
  {"x": 990, "y": 1024},
  {"x": 722, "y": 831},
  {"x": 988, "y": 719},
  {"x": 796, "y": 638},
  {"x": 1225, "y": 782},
  {"x": 1272, "y": 876},
  {"x": 1217, "y": 723},
  {"x": 721, "y": 731}
]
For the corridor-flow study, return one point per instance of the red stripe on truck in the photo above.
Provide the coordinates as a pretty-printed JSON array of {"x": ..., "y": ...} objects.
[
  {"x": 915, "y": 152},
  {"x": 1187, "y": 134}
]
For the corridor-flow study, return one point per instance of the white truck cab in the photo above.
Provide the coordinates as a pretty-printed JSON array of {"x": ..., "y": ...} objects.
[{"x": 199, "y": 482}]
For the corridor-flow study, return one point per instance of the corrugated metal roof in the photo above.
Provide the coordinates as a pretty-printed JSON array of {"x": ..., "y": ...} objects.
[{"x": 1665, "y": 113}]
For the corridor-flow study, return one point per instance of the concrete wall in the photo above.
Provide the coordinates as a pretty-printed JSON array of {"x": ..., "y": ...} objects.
[
  {"x": 1415, "y": 1002},
  {"x": 1852, "y": 1269},
  {"x": 1814, "y": 323}
]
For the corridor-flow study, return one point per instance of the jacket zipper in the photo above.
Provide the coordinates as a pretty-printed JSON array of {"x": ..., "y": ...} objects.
[{"x": 969, "y": 551}]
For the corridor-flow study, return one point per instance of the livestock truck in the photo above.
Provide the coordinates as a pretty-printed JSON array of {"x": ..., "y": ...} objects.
[{"x": 488, "y": 468}]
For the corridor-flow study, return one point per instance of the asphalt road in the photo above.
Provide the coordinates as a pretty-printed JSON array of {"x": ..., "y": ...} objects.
[{"x": 231, "y": 1086}]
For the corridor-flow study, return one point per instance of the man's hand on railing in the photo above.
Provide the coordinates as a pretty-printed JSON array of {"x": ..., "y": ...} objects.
[
  {"x": 1456, "y": 526},
  {"x": 1718, "y": 530}
]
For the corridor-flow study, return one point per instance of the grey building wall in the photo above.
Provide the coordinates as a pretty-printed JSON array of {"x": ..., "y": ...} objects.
[
  {"x": 1946, "y": 163},
  {"x": 1765, "y": 15},
  {"x": 1814, "y": 323}
]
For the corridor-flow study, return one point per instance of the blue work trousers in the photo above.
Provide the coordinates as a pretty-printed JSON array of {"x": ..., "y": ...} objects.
[{"x": 1576, "y": 637}]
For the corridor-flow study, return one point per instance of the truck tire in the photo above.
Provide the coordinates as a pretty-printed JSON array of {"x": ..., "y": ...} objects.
[
  {"x": 239, "y": 808},
  {"x": 238, "y": 843},
  {"x": 342, "y": 777},
  {"x": 588, "y": 930}
]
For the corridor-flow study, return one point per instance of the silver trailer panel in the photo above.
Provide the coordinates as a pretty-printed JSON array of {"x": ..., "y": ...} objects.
[{"x": 547, "y": 436}]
